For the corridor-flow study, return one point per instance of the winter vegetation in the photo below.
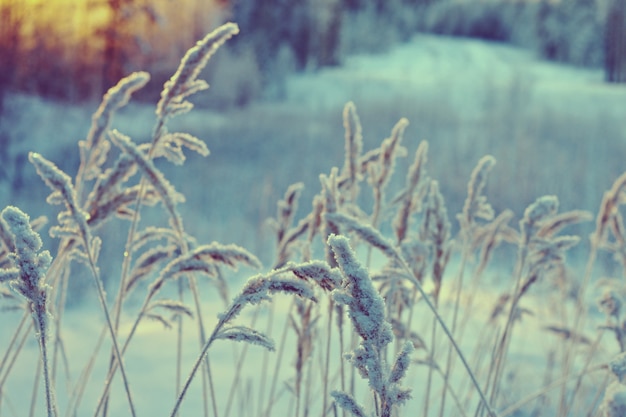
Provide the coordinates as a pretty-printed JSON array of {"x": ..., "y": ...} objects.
[{"x": 407, "y": 278}]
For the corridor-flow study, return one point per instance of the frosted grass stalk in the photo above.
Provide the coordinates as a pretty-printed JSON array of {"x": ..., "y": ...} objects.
[{"x": 28, "y": 279}]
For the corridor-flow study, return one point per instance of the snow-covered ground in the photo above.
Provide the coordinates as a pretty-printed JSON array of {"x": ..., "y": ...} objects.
[{"x": 553, "y": 129}]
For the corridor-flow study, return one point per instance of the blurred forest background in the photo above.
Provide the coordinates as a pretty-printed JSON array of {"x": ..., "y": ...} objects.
[
  {"x": 75, "y": 50},
  {"x": 69, "y": 52}
]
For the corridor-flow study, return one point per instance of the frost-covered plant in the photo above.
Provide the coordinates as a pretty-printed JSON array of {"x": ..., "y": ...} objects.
[
  {"x": 540, "y": 250},
  {"x": 293, "y": 279},
  {"x": 366, "y": 309},
  {"x": 27, "y": 277}
]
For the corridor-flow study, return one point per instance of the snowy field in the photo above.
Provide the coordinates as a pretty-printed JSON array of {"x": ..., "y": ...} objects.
[{"x": 552, "y": 129}]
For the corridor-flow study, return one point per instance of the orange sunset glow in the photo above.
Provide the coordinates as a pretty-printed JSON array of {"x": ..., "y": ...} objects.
[{"x": 84, "y": 35}]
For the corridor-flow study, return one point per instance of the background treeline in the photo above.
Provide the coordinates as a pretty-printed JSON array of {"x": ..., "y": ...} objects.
[{"x": 75, "y": 50}]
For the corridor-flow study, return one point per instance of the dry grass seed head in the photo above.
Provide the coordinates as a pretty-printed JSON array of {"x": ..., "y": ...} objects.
[
  {"x": 558, "y": 222},
  {"x": 31, "y": 264},
  {"x": 366, "y": 232},
  {"x": 260, "y": 287},
  {"x": 390, "y": 149},
  {"x": 246, "y": 335},
  {"x": 401, "y": 363},
  {"x": 168, "y": 195},
  {"x": 170, "y": 146},
  {"x": 476, "y": 205},
  {"x": 148, "y": 262},
  {"x": 366, "y": 306},
  {"x": 73, "y": 222},
  {"x": 489, "y": 236},
  {"x": 94, "y": 149},
  {"x": 204, "y": 259},
  {"x": 436, "y": 230},
  {"x": 354, "y": 146},
  {"x": 346, "y": 402},
  {"x": 286, "y": 209},
  {"x": 414, "y": 177},
  {"x": 609, "y": 207},
  {"x": 543, "y": 208},
  {"x": 319, "y": 272},
  {"x": 184, "y": 83},
  {"x": 330, "y": 196},
  {"x": 172, "y": 306}
]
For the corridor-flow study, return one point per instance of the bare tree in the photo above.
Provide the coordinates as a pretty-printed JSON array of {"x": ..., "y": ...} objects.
[{"x": 10, "y": 24}]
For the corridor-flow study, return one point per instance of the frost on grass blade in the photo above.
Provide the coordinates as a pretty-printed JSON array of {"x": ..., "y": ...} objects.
[
  {"x": 408, "y": 205},
  {"x": 366, "y": 232},
  {"x": 259, "y": 289},
  {"x": 31, "y": 264},
  {"x": 476, "y": 205},
  {"x": 247, "y": 335},
  {"x": 151, "y": 234},
  {"x": 204, "y": 259},
  {"x": 73, "y": 222},
  {"x": 351, "y": 172},
  {"x": 170, "y": 146},
  {"x": 317, "y": 271},
  {"x": 184, "y": 83},
  {"x": 173, "y": 306},
  {"x": 402, "y": 362},
  {"x": 535, "y": 213},
  {"x": 229, "y": 255},
  {"x": 94, "y": 149},
  {"x": 348, "y": 403},
  {"x": 147, "y": 262},
  {"x": 366, "y": 306},
  {"x": 169, "y": 196},
  {"x": 390, "y": 149}
]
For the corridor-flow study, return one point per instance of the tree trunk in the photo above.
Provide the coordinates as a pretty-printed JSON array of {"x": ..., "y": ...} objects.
[
  {"x": 112, "y": 70},
  {"x": 615, "y": 42},
  {"x": 9, "y": 44}
]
